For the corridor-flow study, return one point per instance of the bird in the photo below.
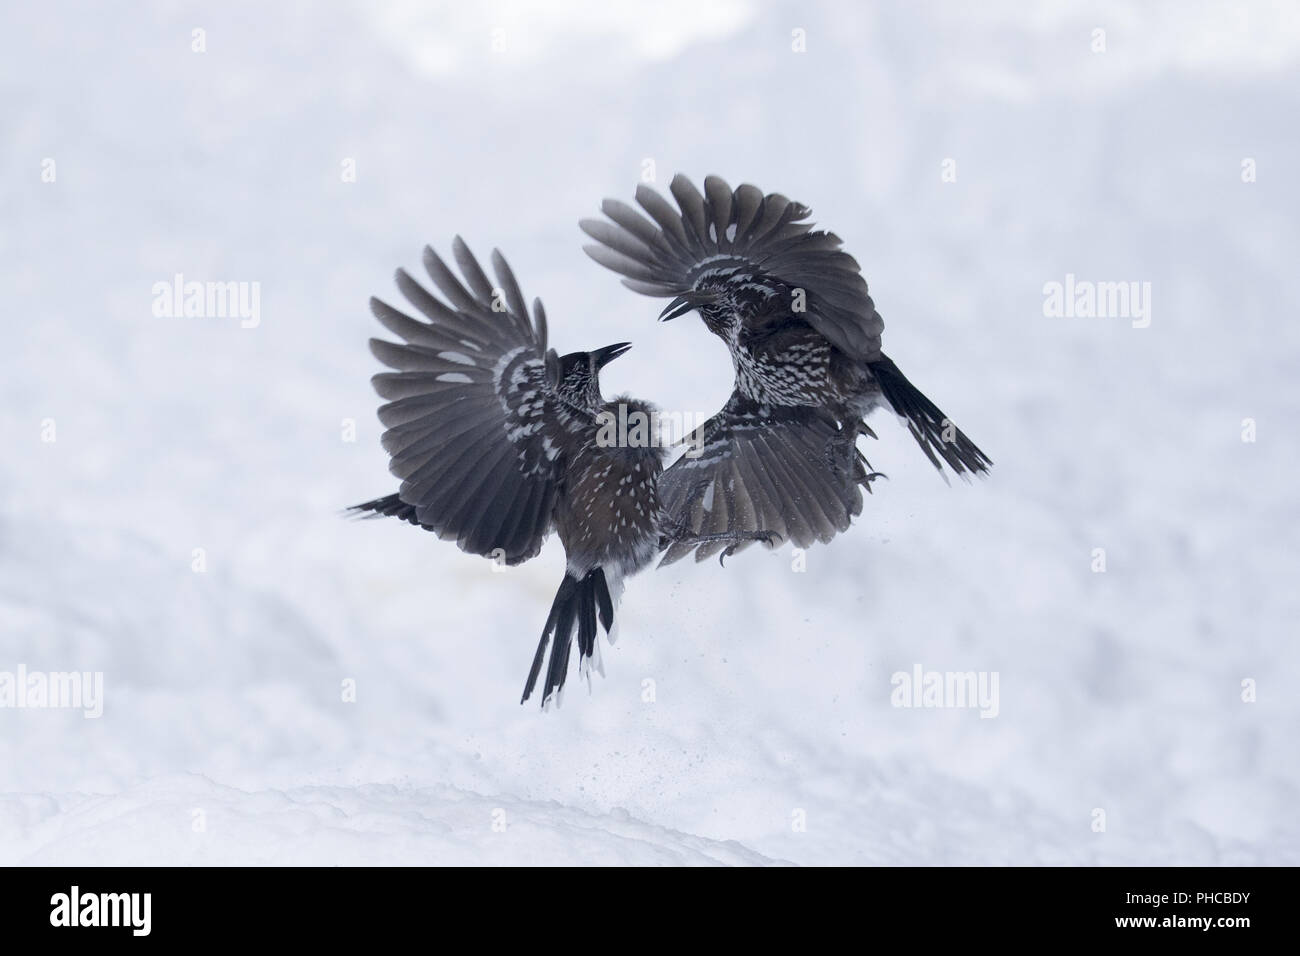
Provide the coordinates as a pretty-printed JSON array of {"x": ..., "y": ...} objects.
[
  {"x": 803, "y": 333},
  {"x": 498, "y": 440}
]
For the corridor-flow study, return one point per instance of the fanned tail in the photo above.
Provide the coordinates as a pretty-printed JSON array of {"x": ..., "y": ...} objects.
[{"x": 581, "y": 605}]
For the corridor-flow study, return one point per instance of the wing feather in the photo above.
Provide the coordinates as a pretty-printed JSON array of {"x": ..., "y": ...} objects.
[
  {"x": 787, "y": 470},
  {"x": 467, "y": 410},
  {"x": 737, "y": 235}
]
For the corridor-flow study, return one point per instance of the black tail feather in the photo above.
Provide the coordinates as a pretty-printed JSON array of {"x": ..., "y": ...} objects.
[
  {"x": 580, "y": 603},
  {"x": 604, "y": 602},
  {"x": 587, "y": 626},
  {"x": 390, "y": 506},
  {"x": 932, "y": 429},
  {"x": 558, "y": 668}
]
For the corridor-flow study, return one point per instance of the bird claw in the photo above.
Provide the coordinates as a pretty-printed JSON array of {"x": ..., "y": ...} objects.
[
  {"x": 866, "y": 480},
  {"x": 769, "y": 538}
]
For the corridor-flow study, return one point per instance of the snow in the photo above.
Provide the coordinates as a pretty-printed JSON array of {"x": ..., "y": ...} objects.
[
  {"x": 182, "y": 533},
  {"x": 195, "y": 821}
]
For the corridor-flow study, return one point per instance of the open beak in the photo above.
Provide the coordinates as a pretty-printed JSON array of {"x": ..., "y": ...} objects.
[
  {"x": 603, "y": 357},
  {"x": 687, "y": 302}
]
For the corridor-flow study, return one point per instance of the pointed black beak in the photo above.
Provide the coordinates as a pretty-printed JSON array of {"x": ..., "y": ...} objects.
[
  {"x": 687, "y": 302},
  {"x": 602, "y": 357}
]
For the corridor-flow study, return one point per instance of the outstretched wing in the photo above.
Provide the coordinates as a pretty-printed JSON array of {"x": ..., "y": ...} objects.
[
  {"x": 790, "y": 470},
  {"x": 467, "y": 408},
  {"x": 725, "y": 239}
]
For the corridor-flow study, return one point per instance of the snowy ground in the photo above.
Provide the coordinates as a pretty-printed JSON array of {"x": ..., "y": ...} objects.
[{"x": 770, "y": 735}]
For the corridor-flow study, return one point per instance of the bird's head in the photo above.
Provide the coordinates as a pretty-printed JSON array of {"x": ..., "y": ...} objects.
[
  {"x": 579, "y": 380},
  {"x": 729, "y": 295}
]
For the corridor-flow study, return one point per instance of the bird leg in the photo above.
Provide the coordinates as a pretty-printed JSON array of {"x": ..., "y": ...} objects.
[
  {"x": 871, "y": 474},
  {"x": 736, "y": 537},
  {"x": 680, "y": 534},
  {"x": 848, "y": 455},
  {"x": 769, "y": 538}
]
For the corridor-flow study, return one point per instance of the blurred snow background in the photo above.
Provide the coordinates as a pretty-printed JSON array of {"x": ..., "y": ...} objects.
[{"x": 1118, "y": 691}]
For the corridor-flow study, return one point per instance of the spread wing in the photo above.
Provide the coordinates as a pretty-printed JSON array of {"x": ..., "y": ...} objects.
[
  {"x": 791, "y": 470},
  {"x": 736, "y": 239},
  {"x": 468, "y": 407}
]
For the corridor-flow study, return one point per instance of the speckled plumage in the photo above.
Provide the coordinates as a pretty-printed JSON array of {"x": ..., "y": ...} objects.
[
  {"x": 498, "y": 440},
  {"x": 802, "y": 330},
  {"x": 610, "y": 515}
]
